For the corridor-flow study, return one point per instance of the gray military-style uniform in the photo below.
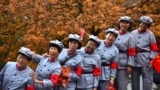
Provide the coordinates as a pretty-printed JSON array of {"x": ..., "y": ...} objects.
[
  {"x": 47, "y": 71},
  {"x": 146, "y": 50},
  {"x": 90, "y": 64},
  {"x": 109, "y": 62},
  {"x": 126, "y": 45},
  {"x": 13, "y": 78},
  {"x": 72, "y": 61}
]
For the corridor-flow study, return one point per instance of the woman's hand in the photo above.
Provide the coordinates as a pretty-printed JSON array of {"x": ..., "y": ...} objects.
[
  {"x": 129, "y": 69},
  {"x": 34, "y": 77}
]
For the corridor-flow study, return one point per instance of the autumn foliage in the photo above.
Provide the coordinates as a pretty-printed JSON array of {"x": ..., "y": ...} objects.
[{"x": 33, "y": 23}]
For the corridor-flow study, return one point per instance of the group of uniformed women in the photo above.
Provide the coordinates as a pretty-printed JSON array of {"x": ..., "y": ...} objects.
[{"x": 96, "y": 66}]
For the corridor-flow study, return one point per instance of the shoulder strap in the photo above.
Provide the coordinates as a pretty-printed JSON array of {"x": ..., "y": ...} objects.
[{"x": 67, "y": 59}]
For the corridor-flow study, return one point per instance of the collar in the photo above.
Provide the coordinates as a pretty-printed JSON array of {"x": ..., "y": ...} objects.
[
  {"x": 71, "y": 53},
  {"x": 20, "y": 68},
  {"x": 122, "y": 32},
  {"x": 141, "y": 31},
  {"x": 51, "y": 60},
  {"x": 106, "y": 44}
]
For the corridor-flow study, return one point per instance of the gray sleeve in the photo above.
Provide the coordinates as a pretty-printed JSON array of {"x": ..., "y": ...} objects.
[
  {"x": 37, "y": 58},
  {"x": 97, "y": 77},
  {"x": 131, "y": 51},
  {"x": 50, "y": 82},
  {"x": 114, "y": 64},
  {"x": 153, "y": 46},
  {"x": 74, "y": 64}
]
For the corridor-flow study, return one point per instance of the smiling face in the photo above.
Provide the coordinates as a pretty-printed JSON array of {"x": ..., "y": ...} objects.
[
  {"x": 91, "y": 46},
  {"x": 53, "y": 52},
  {"x": 124, "y": 25},
  {"x": 110, "y": 38},
  {"x": 73, "y": 45},
  {"x": 22, "y": 60}
]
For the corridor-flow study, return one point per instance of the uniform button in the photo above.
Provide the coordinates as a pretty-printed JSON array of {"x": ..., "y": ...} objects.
[
  {"x": 118, "y": 38},
  {"x": 104, "y": 50},
  {"x": 139, "y": 37},
  {"x": 137, "y": 42},
  {"x": 41, "y": 70},
  {"x": 102, "y": 55},
  {"x": 38, "y": 75},
  {"x": 15, "y": 74},
  {"x": 44, "y": 65},
  {"x": 84, "y": 57},
  {"x": 11, "y": 81},
  {"x": 48, "y": 69}
]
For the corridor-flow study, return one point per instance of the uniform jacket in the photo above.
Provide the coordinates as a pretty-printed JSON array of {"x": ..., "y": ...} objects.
[
  {"x": 48, "y": 71},
  {"x": 126, "y": 45},
  {"x": 72, "y": 61},
  {"x": 13, "y": 79},
  {"x": 109, "y": 59},
  {"x": 146, "y": 47},
  {"x": 91, "y": 71}
]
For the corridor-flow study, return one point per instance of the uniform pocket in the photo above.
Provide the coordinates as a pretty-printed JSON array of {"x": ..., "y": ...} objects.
[{"x": 89, "y": 80}]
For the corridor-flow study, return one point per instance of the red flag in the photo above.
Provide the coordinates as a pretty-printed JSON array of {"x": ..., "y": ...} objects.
[
  {"x": 82, "y": 32},
  {"x": 156, "y": 63}
]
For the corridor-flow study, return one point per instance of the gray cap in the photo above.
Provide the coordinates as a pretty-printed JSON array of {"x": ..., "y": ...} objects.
[
  {"x": 125, "y": 18},
  {"x": 25, "y": 51},
  {"x": 146, "y": 19},
  {"x": 76, "y": 38},
  {"x": 112, "y": 30},
  {"x": 95, "y": 39},
  {"x": 57, "y": 44}
]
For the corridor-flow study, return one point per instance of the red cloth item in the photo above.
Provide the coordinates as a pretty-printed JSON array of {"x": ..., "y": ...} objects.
[
  {"x": 64, "y": 76},
  {"x": 111, "y": 87},
  {"x": 97, "y": 71},
  {"x": 30, "y": 87},
  {"x": 132, "y": 51},
  {"x": 154, "y": 47},
  {"x": 54, "y": 78},
  {"x": 156, "y": 63},
  {"x": 78, "y": 70},
  {"x": 20, "y": 68},
  {"x": 82, "y": 33},
  {"x": 114, "y": 65}
]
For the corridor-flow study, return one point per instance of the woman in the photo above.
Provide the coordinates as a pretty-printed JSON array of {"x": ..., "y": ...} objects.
[
  {"x": 109, "y": 58},
  {"x": 16, "y": 75},
  {"x": 91, "y": 63},
  {"x": 126, "y": 45},
  {"x": 70, "y": 58},
  {"x": 48, "y": 69},
  {"x": 146, "y": 52}
]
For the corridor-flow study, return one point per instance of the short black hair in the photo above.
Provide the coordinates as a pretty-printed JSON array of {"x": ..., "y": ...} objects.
[
  {"x": 79, "y": 44},
  {"x": 116, "y": 35},
  {"x": 54, "y": 45}
]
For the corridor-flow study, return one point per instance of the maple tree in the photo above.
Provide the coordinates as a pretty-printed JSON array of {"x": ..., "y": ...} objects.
[{"x": 33, "y": 23}]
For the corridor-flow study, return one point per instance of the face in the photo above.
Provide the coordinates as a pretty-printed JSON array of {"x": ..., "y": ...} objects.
[
  {"x": 22, "y": 60},
  {"x": 143, "y": 26},
  {"x": 53, "y": 52},
  {"x": 124, "y": 25},
  {"x": 91, "y": 46},
  {"x": 73, "y": 45},
  {"x": 110, "y": 38}
]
